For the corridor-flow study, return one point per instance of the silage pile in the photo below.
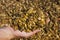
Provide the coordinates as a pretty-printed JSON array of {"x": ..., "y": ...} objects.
[{"x": 29, "y": 15}]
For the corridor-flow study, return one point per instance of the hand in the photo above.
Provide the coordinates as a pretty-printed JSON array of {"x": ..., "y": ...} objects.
[
  {"x": 9, "y": 33},
  {"x": 25, "y": 34}
]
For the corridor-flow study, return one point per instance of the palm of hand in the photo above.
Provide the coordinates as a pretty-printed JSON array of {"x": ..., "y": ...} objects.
[{"x": 9, "y": 33}]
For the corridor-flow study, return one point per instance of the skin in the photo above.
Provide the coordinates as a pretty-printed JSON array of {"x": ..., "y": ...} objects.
[
  {"x": 48, "y": 19},
  {"x": 7, "y": 33}
]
